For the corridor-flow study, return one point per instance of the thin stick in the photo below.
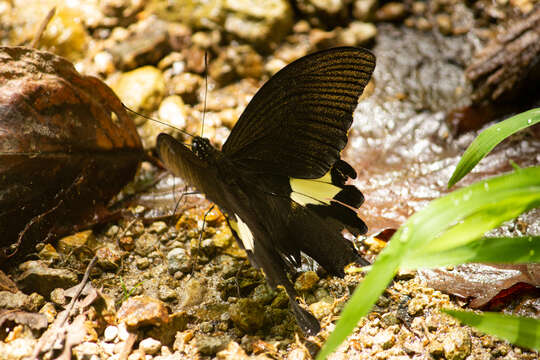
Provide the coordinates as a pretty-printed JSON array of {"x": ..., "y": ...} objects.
[{"x": 42, "y": 28}]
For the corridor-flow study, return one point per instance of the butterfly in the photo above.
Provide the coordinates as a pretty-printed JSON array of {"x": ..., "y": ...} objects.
[{"x": 279, "y": 178}]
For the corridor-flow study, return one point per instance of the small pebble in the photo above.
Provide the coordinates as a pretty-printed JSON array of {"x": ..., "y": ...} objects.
[
  {"x": 57, "y": 296},
  {"x": 138, "y": 355},
  {"x": 123, "y": 333},
  {"x": 110, "y": 333},
  {"x": 150, "y": 346},
  {"x": 159, "y": 227},
  {"x": 165, "y": 293},
  {"x": 306, "y": 281},
  {"x": 142, "y": 263}
]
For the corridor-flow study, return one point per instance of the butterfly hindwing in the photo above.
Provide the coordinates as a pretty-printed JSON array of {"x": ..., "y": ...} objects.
[{"x": 296, "y": 124}]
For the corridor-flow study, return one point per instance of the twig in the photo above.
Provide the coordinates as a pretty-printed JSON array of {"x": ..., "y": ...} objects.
[
  {"x": 128, "y": 345},
  {"x": 42, "y": 27},
  {"x": 65, "y": 315}
]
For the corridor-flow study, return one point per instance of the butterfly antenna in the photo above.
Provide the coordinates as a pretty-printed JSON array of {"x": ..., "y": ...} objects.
[
  {"x": 158, "y": 121},
  {"x": 201, "y": 232},
  {"x": 205, "y": 89}
]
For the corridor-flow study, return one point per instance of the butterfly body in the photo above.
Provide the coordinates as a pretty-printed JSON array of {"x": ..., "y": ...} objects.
[{"x": 279, "y": 178}]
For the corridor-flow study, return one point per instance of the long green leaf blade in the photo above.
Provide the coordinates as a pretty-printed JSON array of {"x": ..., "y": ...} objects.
[
  {"x": 504, "y": 250},
  {"x": 423, "y": 227},
  {"x": 518, "y": 330},
  {"x": 489, "y": 138}
]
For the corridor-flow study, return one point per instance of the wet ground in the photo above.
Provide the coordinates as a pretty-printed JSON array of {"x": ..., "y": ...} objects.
[{"x": 185, "y": 300}]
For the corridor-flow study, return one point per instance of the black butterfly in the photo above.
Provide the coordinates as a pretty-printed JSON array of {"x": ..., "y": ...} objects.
[{"x": 279, "y": 178}]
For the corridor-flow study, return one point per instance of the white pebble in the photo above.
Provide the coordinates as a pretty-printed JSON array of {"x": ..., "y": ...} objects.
[
  {"x": 150, "y": 346},
  {"x": 111, "y": 332},
  {"x": 108, "y": 348},
  {"x": 123, "y": 333}
]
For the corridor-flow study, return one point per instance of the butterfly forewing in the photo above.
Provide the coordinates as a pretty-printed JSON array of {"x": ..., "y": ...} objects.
[{"x": 296, "y": 124}]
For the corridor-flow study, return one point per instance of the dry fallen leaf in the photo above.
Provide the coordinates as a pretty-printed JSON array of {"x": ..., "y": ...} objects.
[{"x": 67, "y": 147}]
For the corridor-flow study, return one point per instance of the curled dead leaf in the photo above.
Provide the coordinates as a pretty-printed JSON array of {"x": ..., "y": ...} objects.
[{"x": 67, "y": 147}]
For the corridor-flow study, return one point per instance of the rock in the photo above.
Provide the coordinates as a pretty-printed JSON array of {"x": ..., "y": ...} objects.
[
  {"x": 457, "y": 344},
  {"x": 110, "y": 333},
  {"x": 48, "y": 310},
  {"x": 324, "y": 13},
  {"x": 194, "y": 13},
  {"x": 178, "y": 260},
  {"x": 68, "y": 244},
  {"x": 9, "y": 300},
  {"x": 233, "y": 351},
  {"x": 389, "y": 319},
  {"x": 392, "y": 11},
  {"x": 123, "y": 333},
  {"x": 192, "y": 293},
  {"x": 142, "y": 263},
  {"x": 145, "y": 42},
  {"x": 385, "y": 339},
  {"x": 299, "y": 354},
  {"x": 435, "y": 349},
  {"x": 104, "y": 63},
  {"x": 236, "y": 62},
  {"x": 263, "y": 294},
  {"x": 58, "y": 297},
  {"x": 416, "y": 305},
  {"x": 364, "y": 10},
  {"x": 172, "y": 111},
  {"x": 165, "y": 293},
  {"x": 210, "y": 345},
  {"x": 137, "y": 355},
  {"x": 186, "y": 85},
  {"x": 247, "y": 314},
  {"x": 444, "y": 24},
  {"x": 65, "y": 34},
  {"x": 108, "y": 257},
  {"x": 357, "y": 33},
  {"x": 321, "y": 309},
  {"x": 150, "y": 85},
  {"x": 281, "y": 300},
  {"x": 42, "y": 279},
  {"x": 143, "y": 310},
  {"x": 49, "y": 253},
  {"x": 17, "y": 349},
  {"x": 166, "y": 333},
  {"x": 150, "y": 346},
  {"x": 258, "y": 22},
  {"x": 86, "y": 350},
  {"x": 126, "y": 243},
  {"x": 159, "y": 227},
  {"x": 306, "y": 281},
  {"x": 222, "y": 239},
  {"x": 34, "y": 302},
  {"x": 145, "y": 244}
]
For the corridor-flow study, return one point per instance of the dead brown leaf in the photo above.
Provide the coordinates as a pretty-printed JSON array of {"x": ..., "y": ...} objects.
[{"x": 66, "y": 147}]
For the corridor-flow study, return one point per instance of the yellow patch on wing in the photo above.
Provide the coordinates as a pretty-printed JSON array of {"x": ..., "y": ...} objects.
[
  {"x": 243, "y": 232},
  {"x": 313, "y": 191}
]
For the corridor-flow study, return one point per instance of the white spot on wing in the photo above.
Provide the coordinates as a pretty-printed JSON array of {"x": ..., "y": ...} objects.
[
  {"x": 313, "y": 191},
  {"x": 245, "y": 234}
]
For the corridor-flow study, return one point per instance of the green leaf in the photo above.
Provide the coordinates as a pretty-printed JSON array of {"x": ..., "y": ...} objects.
[
  {"x": 518, "y": 330},
  {"x": 504, "y": 197},
  {"x": 505, "y": 250},
  {"x": 489, "y": 138}
]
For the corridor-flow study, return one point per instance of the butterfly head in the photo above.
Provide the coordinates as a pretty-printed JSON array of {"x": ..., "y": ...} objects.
[{"x": 201, "y": 147}]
